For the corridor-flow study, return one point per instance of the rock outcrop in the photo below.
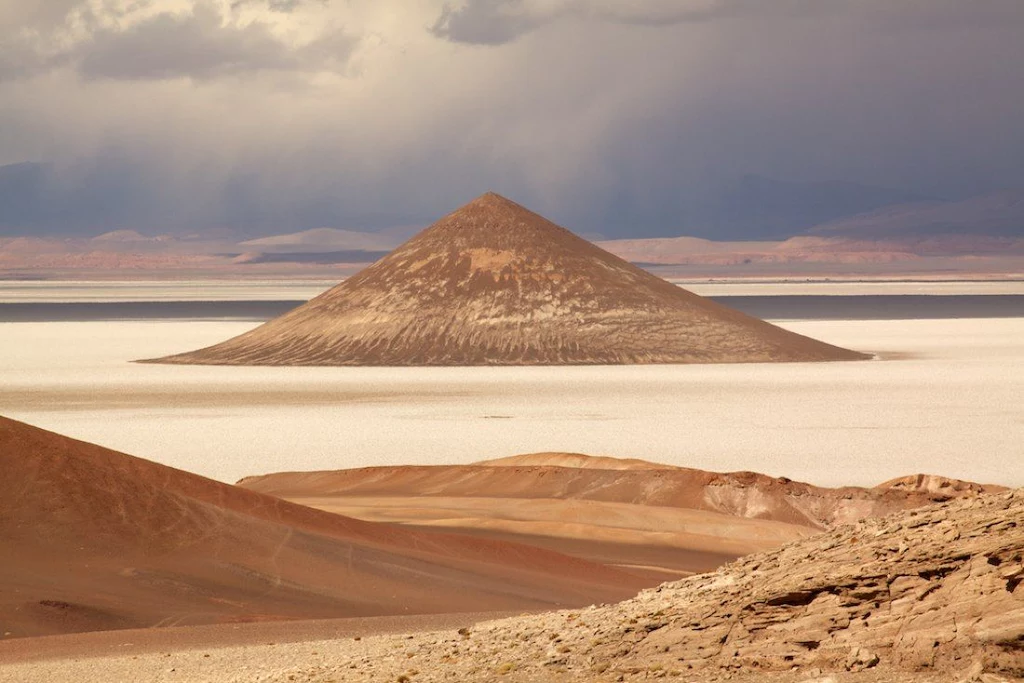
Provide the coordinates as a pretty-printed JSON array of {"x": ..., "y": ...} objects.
[
  {"x": 939, "y": 488},
  {"x": 495, "y": 284},
  {"x": 917, "y": 590},
  {"x": 926, "y": 595}
]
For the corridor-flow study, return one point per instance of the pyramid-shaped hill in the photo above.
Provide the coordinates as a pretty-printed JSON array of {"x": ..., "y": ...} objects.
[
  {"x": 92, "y": 539},
  {"x": 496, "y": 284}
]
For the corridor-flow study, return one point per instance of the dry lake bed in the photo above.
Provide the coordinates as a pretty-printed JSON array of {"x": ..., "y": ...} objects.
[{"x": 944, "y": 396}]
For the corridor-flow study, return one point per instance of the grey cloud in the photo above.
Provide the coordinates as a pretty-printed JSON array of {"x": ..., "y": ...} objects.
[
  {"x": 603, "y": 126},
  {"x": 201, "y": 46},
  {"x": 278, "y": 5},
  {"x": 27, "y": 29},
  {"x": 18, "y": 59},
  {"x": 289, "y": 5},
  {"x": 484, "y": 22},
  {"x": 36, "y": 15},
  {"x": 496, "y": 22}
]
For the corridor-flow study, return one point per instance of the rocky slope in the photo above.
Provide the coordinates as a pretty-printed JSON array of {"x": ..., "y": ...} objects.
[
  {"x": 495, "y": 284},
  {"x": 934, "y": 594}
]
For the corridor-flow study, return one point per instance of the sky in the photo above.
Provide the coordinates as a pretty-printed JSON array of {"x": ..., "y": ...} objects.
[{"x": 613, "y": 117}]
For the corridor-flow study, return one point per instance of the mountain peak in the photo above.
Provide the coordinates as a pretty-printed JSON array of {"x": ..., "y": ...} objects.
[
  {"x": 489, "y": 202},
  {"x": 492, "y": 220},
  {"x": 494, "y": 283},
  {"x": 492, "y": 196}
]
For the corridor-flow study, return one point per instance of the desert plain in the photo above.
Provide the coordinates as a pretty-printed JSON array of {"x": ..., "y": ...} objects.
[
  {"x": 511, "y": 341},
  {"x": 940, "y": 396},
  {"x": 941, "y": 391}
]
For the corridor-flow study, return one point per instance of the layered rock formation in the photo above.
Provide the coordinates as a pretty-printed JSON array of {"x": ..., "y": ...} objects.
[
  {"x": 495, "y": 284},
  {"x": 917, "y": 590}
]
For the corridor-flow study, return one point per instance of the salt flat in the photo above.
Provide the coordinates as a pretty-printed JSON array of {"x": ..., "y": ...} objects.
[
  {"x": 944, "y": 398},
  {"x": 70, "y": 291},
  {"x": 810, "y": 287}
]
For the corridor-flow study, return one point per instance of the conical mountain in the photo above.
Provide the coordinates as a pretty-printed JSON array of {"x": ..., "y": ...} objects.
[{"x": 496, "y": 284}]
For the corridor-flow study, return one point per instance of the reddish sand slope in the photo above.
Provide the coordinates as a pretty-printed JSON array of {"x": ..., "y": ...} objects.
[
  {"x": 94, "y": 539},
  {"x": 648, "y": 518}
]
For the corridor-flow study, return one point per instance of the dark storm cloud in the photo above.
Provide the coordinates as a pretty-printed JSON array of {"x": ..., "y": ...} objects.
[
  {"x": 496, "y": 22},
  {"x": 737, "y": 118}
]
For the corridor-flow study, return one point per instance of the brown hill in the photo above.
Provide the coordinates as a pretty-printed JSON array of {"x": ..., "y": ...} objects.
[
  {"x": 495, "y": 284},
  {"x": 656, "y": 519},
  {"x": 93, "y": 539},
  {"x": 934, "y": 595}
]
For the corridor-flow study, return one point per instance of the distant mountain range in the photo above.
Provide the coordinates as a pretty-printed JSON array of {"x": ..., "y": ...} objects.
[
  {"x": 761, "y": 222},
  {"x": 765, "y": 208},
  {"x": 1000, "y": 214},
  {"x": 989, "y": 225}
]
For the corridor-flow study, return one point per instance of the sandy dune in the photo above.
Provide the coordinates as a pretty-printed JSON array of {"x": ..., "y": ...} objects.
[
  {"x": 657, "y": 520},
  {"x": 94, "y": 539}
]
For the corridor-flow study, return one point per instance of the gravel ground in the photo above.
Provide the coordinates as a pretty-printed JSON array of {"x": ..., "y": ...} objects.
[{"x": 475, "y": 654}]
